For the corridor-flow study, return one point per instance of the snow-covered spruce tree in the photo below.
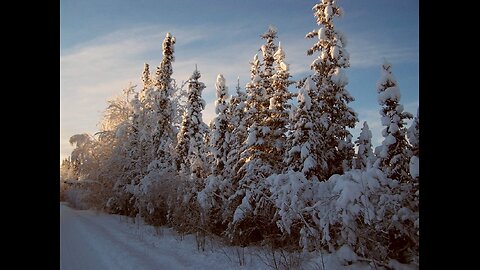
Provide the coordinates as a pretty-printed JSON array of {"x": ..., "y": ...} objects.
[
  {"x": 163, "y": 137},
  {"x": 156, "y": 136},
  {"x": 238, "y": 130},
  {"x": 191, "y": 155},
  {"x": 413, "y": 135},
  {"x": 302, "y": 156},
  {"x": 255, "y": 114},
  {"x": 274, "y": 81},
  {"x": 190, "y": 148},
  {"x": 268, "y": 55},
  {"x": 147, "y": 82},
  {"x": 217, "y": 184},
  {"x": 237, "y": 135},
  {"x": 364, "y": 157},
  {"x": 66, "y": 176},
  {"x": 219, "y": 133},
  {"x": 266, "y": 110},
  {"x": 214, "y": 198},
  {"x": 395, "y": 153},
  {"x": 278, "y": 112},
  {"x": 246, "y": 223},
  {"x": 334, "y": 114},
  {"x": 143, "y": 120}
]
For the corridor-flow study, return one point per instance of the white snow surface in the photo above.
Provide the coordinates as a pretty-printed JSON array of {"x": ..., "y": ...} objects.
[
  {"x": 91, "y": 240},
  {"x": 94, "y": 240}
]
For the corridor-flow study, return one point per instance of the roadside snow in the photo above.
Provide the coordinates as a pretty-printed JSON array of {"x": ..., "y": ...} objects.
[{"x": 92, "y": 240}]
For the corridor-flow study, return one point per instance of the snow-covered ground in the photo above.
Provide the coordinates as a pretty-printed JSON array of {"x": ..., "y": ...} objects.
[{"x": 92, "y": 240}]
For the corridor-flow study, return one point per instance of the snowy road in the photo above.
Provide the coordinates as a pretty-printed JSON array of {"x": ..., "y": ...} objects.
[{"x": 89, "y": 240}]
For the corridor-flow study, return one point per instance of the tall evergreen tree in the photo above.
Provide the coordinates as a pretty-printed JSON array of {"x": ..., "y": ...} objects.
[
  {"x": 145, "y": 116},
  {"x": 278, "y": 112},
  {"x": 302, "y": 155},
  {"x": 147, "y": 82},
  {"x": 191, "y": 150},
  {"x": 220, "y": 132},
  {"x": 266, "y": 112},
  {"x": 253, "y": 153},
  {"x": 142, "y": 112},
  {"x": 253, "y": 164},
  {"x": 255, "y": 113},
  {"x": 238, "y": 131},
  {"x": 163, "y": 137},
  {"x": 268, "y": 55},
  {"x": 218, "y": 184},
  {"x": 331, "y": 98},
  {"x": 395, "y": 153}
]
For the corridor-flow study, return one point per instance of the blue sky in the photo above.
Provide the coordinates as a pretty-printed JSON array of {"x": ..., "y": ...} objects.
[{"x": 103, "y": 45}]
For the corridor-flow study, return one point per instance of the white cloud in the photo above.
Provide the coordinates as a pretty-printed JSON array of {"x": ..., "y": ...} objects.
[
  {"x": 368, "y": 51},
  {"x": 97, "y": 70},
  {"x": 365, "y": 51}
]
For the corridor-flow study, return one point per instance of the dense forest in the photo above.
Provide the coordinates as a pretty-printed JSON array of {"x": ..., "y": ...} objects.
[{"x": 272, "y": 168}]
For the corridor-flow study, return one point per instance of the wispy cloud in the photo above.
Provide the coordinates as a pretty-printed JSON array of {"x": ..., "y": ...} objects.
[
  {"x": 367, "y": 51},
  {"x": 95, "y": 71}
]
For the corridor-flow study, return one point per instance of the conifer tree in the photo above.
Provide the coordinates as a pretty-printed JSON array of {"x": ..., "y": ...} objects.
[
  {"x": 278, "y": 112},
  {"x": 335, "y": 150},
  {"x": 220, "y": 130},
  {"x": 268, "y": 55},
  {"x": 218, "y": 184},
  {"x": 395, "y": 152},
  {"x": 302, "y": 155},
  {"x": 191, "y": 151},
  {"x": 255, "y": 114},
  {"x": 163, "y": 137},
  {"x": 238, "y": 131}
]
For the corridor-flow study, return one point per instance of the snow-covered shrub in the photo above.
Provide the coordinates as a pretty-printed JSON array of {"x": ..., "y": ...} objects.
[
  {"x": 252, "y": 220},
  {"x": 152, "y": 194},
  {"x": 212, "y": 200},
  {"x": 375, "y": 216},
  {"x": 184, "y": 212},
  {"x": 75, "y": 196}
]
